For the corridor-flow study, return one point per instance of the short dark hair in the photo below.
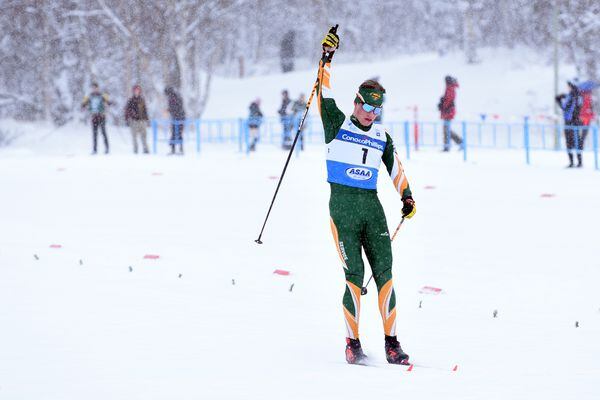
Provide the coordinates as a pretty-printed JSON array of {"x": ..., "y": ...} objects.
[
  {"x": 94, "y": 85},
  {"x": 371, "y": 84},
  {"x": 450, "y": 80}
]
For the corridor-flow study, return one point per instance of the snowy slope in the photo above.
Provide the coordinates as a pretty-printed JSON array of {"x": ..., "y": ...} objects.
[
  {"x": 77, "y": 323},
  {"x": 509, "y": 83}
]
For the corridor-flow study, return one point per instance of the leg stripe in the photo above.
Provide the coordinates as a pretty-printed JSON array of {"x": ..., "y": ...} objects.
[
  {"x": 352, "y": 320},
  {"x": 388, "y": 316},
  {"x": 351, "y": 324}
]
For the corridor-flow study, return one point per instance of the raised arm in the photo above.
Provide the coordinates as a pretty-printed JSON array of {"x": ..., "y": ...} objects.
[{"x": 331, "y": 115}]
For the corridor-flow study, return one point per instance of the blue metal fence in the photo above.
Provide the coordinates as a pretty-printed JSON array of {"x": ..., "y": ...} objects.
[{"x": 526, "y": 135}]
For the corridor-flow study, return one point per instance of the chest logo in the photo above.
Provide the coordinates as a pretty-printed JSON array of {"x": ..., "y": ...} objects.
[{"x": 359, "y": 174}]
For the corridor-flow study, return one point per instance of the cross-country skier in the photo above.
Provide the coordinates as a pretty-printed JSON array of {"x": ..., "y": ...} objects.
[{"x": 355, "y": 149}]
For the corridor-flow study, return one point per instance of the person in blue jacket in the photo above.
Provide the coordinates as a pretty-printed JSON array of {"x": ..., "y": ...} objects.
[{"x": 570, "y": 104}]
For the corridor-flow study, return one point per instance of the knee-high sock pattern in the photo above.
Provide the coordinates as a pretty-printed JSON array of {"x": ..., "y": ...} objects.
[
  {"x": 387, "y": 308},
  {"x": 352, "y": 309}
]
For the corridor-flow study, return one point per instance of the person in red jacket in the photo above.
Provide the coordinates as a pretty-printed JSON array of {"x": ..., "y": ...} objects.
[
  {"x": 586, "y": 116},
  {"x": 448, "y": 111}
]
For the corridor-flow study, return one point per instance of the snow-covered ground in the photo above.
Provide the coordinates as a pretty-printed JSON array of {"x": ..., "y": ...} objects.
[
  {"x": 95, "y": 320},
  {"x": 208, "y": 319}
]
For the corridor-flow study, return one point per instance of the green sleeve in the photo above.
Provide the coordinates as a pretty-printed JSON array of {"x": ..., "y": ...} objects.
[
  {"x": 332, "y": 118},
  {"x": 388, "y": 153},
  {"x": 394, "y": 168}
]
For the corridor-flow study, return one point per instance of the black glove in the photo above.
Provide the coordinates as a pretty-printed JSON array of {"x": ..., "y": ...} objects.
[{"x": 409, "y": 207}]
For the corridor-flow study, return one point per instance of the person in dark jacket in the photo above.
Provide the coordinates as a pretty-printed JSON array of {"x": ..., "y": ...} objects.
[
  {"x": 136, "y": 116},
  {"x": 286, "y": 120},
  {"x": 175, "y": 107},
  {"x": 254, "y": 121},
  {"x": 571, "y": 104},
  {"x": 447, "y": 109},
  {"x": 96, "y": 104},
  {"x": 298, "y": 109}
]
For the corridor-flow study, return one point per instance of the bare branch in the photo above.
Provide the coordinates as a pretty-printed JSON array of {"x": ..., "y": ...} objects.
[
  {"x": 83, "y": 13},
  {"x": 114, "y": 18}
]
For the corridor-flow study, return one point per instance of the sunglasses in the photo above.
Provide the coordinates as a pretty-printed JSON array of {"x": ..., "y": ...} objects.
[{"x": 369, "y": 108}]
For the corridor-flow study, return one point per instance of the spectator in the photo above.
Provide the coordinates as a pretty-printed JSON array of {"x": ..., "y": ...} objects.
[
  {"x": 96, "y": 104},
  {"x": 586, "y": 117},
  {"x": 175, "y": 107},
  {"x": 286, "y": 120},
  {"x": 287, "y": 51},
  {"x": 254, "y": 121},
  {"x": 298, "y": 109},
  {"x": 448, "y": 111},
  {"x": 136, "y": 116},
  {"x": 571, "y": 104}
]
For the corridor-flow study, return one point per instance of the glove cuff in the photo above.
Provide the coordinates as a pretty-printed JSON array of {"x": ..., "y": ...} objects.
[{"x": 327, "y": 56}]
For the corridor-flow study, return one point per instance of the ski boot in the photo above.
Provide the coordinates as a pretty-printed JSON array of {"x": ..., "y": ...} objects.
[
  {"x": 394, "y": 353},
  {"x": 354, "y": 353}
]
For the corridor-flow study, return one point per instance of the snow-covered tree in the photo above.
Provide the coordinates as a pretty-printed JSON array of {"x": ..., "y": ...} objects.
[{"x": 51, "y": 50}]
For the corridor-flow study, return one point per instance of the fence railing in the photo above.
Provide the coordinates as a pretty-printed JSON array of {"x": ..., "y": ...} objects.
[{"x": 409, "y": 135}]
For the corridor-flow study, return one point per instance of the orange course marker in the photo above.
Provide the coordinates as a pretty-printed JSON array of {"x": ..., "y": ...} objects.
[
  {"x": 410, "y": 368},
  {"x": 281, "y": 272}
]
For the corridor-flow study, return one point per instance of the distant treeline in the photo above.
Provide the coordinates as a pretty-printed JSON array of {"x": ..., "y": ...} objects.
[{"x": 51, "y": 50}]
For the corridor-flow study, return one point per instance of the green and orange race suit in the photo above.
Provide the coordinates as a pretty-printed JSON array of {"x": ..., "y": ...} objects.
[{"x": 354, "y": 154}]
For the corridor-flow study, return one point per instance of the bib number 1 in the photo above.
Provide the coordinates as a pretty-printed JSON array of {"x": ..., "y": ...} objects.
[{"x": 365, "y": 151}]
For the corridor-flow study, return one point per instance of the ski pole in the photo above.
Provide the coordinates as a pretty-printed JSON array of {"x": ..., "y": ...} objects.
[
  {"x": 314, "y": 89},
  {"x": 363, "y": 290},
  {"x": 398, "y": 228}
]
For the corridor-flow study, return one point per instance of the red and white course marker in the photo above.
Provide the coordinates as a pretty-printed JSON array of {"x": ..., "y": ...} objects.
[
  {"x": 281, "y": 272},
  {"x": 55, "y": 246},
  {"x": 430, "y": 290},
  {"x": 151, "y": 257}
]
